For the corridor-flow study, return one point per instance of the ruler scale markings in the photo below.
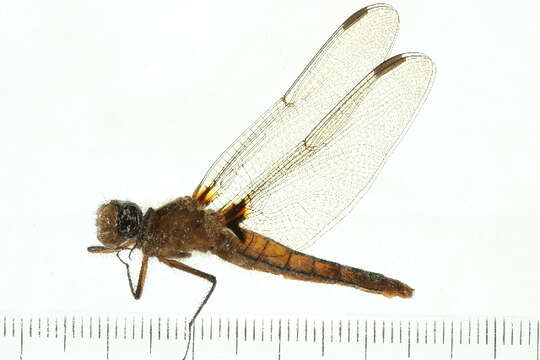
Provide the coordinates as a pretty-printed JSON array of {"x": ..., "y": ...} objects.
[
  {"x": 515, "y": 335},
  {"x": 512, "y": 333},
  {"x": 262, "y": 331},
  {"x": 365, "y": 340},
  {"x": 400, "y": 332},
  {"x": 4, "y": 326},
  {"x": 228, "y": 329},
  {"x": 443, "y": 331},
  {"x": 279, "y": 339},
  {"x": 47, "y": 327},
  {"x": 477, "y": 332},
  {"x": 409, "y": 341},
  {"x": 451, "y": 340},
  {"x": 176, "y": 329},
  {"x": 504, "y": 332},
  {"x": 495, "y": 337},
  {"x": 65, "y": 331},
  {"x": 132, "y": 328},
  {"x": 150, "y": 335},
  {"x": 236, "y": 337},
  {"x": 22, "y": 341},
  {"x": 520, "y": 332},
  {"x": 305, "y": 329},
  {"x": 219, "y": 329},
  {"x": 460, "y": 332},
  {"x": 322, "y": 338},
  {"x": 537, "y": 338}
]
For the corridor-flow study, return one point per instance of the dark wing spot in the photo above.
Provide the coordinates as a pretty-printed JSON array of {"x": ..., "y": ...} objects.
[
  {"x": 204, "y": 195},
  {"x": 354, "y": 18},
  {"x": 388, "y": 65},
  {"x": 234, "y": 214}
]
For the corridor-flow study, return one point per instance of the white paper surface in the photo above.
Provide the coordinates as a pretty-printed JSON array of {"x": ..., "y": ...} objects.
[{"x": 135, "y": 100}]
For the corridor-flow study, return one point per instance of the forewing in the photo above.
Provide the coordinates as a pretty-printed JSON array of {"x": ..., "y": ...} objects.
[
  {"x": 312, "y": 186},
  {"x": 354, "y": 49}
]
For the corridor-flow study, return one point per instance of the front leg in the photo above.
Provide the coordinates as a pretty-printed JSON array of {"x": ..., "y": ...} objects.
[
  {"x": 142, "y": 276},
  {"x": 106, "y": 250}
]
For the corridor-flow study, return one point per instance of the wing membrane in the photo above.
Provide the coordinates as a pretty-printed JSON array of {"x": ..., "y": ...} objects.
[
  {"x": 310, "y": 188},
  {"x": 355, "y": 48}
]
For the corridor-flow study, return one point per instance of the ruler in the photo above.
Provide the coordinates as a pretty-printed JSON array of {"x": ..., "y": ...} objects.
[{"x": 161, "y": 337}]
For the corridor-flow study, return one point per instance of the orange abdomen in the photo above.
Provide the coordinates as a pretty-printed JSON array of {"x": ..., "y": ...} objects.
[{"x": 257, "y": 252}]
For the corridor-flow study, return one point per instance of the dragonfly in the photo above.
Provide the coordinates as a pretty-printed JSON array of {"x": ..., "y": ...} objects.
[{"x": 295, "y": 172}]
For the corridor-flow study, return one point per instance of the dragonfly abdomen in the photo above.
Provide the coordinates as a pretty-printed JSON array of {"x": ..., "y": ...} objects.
[{"x": 258, "y": 252}]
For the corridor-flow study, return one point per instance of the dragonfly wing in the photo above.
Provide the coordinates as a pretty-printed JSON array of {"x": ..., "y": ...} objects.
[
  {"x": 354, "y": 49},
  {"x": 312, "y": 186}
]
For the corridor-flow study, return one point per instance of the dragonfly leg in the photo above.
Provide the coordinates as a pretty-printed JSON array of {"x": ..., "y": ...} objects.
[
  {"x": 142, "y": 276},
  {"x": 106, "y": 250},
  {"x": 211, "y": 278}
]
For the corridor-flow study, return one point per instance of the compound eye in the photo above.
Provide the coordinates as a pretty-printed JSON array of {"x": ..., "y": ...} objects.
[{"x": 129, "y": 219}]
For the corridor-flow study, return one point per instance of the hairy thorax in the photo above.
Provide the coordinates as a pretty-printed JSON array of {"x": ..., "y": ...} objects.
[{"x": 180, "y": 227}]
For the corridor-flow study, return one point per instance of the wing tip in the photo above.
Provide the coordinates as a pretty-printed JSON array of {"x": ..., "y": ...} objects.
[
  {"x": 397, "y": 60},
  {"x": 351, "y": 20},
  {"x": 354, "y": 18}
]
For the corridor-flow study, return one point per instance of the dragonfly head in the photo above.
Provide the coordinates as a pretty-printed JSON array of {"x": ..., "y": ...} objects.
[{"x": 118, "y": 221}]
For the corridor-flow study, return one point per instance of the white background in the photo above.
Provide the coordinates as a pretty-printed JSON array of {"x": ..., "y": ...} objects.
[{"x": 135, "y": 99}]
